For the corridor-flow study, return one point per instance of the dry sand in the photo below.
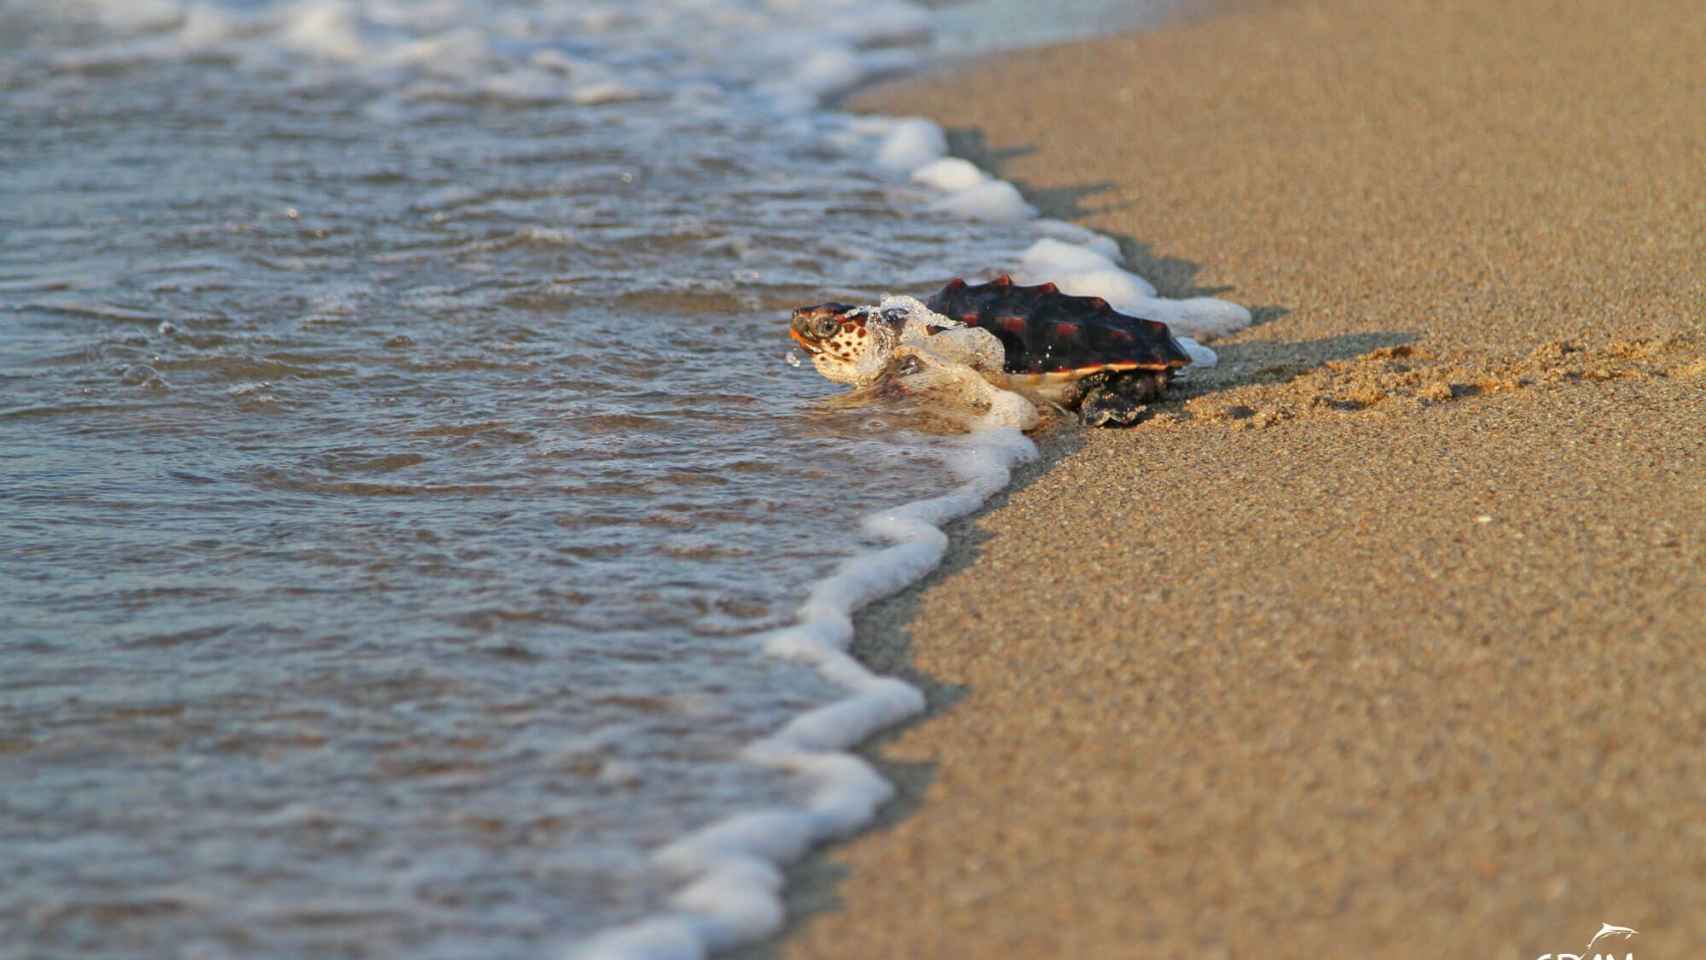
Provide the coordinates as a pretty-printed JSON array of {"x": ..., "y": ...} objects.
[{"x": 1385, "y": 639}]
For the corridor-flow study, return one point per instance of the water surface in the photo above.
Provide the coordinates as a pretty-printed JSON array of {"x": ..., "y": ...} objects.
[{"x": 399, "y": 456}]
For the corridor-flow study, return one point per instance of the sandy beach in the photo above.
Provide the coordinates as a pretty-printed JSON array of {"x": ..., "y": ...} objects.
[{"x": 1383, "y": 639}]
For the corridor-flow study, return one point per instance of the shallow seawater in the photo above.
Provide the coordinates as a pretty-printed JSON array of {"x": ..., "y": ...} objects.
[{"x": 399, "y": 455}]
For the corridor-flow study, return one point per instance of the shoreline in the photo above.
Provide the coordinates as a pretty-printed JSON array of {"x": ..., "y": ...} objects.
[{"x": 1377, "y": 635}]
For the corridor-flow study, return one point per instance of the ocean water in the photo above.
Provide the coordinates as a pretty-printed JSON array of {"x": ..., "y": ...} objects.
[{"x": 413, "y": 540}]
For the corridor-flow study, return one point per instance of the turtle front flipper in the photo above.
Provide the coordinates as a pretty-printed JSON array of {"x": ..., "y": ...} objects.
[
  {"x": 963, "y": 386},
  {"x": 971, "y": 346},
  {"x": 1120, "y": 400}
]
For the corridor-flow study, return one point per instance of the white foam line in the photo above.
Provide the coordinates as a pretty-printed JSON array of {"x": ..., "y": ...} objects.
[{"x": 732, "y": 868}]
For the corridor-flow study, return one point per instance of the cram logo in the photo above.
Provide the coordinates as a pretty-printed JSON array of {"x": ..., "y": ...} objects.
[{"x": 1607, "y": 931}]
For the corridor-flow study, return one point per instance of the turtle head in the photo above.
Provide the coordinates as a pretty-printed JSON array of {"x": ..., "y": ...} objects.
[{"x": 847, "y": 344}]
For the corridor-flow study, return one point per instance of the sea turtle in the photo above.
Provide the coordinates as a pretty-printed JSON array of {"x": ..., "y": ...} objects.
[{"x": 1076, "y": 352}]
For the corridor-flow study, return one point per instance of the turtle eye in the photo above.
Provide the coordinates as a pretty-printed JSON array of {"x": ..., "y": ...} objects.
[{"x": 825, "y": 327}]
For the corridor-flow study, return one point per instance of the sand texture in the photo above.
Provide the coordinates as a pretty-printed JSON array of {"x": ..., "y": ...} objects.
[{"x": 1385, "y": 639}]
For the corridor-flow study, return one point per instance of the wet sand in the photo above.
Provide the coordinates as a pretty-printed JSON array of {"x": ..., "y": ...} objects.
[{"x": 1384, "y": 639}]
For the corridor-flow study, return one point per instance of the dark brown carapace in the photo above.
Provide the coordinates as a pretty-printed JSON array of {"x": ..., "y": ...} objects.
[{"x": 1049, "y": 334}]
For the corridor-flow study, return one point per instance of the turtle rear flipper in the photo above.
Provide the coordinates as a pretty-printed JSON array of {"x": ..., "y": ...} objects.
[{"x": 1121, "y": 400}]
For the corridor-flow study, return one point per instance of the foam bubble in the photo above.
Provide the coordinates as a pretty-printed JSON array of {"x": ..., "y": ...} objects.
[
  {"x": 991, "y": 200},
  {"x": 1086, "y": 270},
  {"x": 324, "y": 29},
  {"x": 828, "y": 70},
  {"x": 951, "y": 174},
  {"x": 1082, "y": 236},
  {"x": 1081, "y": 265},
  {"x": 1201, "y": 356},
  {"x": 910, "y": 144},
  {"x": 1200, "y": 317}
]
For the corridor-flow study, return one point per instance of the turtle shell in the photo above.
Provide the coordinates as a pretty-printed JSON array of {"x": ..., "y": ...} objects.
[{"x": 1056, "y": 336}]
